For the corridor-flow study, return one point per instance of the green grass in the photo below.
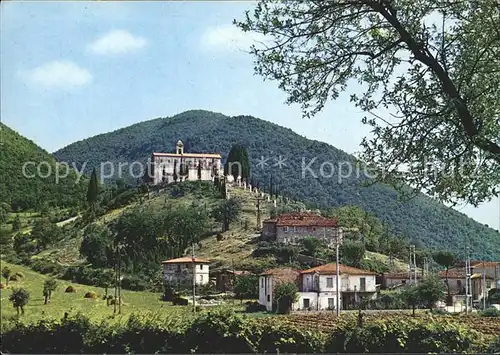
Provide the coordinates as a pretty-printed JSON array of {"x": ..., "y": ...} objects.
[
  {"x": 95, "y": 309},
  {"x": 73, "y": 303}
]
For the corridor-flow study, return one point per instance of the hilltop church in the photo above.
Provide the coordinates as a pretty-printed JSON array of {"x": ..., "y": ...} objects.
[{"x": 180, "y": 166}]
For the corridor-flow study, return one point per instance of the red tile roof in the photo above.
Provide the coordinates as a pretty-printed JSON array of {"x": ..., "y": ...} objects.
[
  {"x": 186, "y": 259},
  {"x": 302, "y": 219},
  {"x": 283, "y": 274},
  {"x": 453, "y": 273},
  {"x": 332, "y": 269}
]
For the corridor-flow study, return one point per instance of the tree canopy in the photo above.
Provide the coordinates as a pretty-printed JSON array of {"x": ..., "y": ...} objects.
[{"x": 432, "y": 67}]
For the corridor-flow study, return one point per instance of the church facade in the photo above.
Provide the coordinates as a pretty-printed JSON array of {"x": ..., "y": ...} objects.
[{"x": 180, "y": 166}]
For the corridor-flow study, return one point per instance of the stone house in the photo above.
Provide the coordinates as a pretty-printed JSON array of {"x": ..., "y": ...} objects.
[
  {"x": 290, "y": 228},
  {"x": 397, "y": 279},
  {"x": 224, "y": 278},
  {"x": 180, "y": 271},
  {"x": 317, "y": 286}
]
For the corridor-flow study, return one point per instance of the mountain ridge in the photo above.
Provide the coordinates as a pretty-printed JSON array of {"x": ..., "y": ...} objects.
[{"x": 421, "y": 219}]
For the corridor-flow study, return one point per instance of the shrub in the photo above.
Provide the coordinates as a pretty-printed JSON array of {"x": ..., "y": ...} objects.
[
  {"x": 90, "y": 294},
  {"x": 180, "y": 301},
  {"x": 252, "y": 307},
  {"x": 220, "y": 237},
  {"x": 134, "y": 283},
  {"x": 70, "y": 289},
  {"x": 14, "y": 278},
  {"x": 490, "y": 312},
  {"x": 45, "y": 266}
]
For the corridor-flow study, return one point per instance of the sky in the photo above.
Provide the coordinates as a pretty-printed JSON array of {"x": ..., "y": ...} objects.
[{"x": 72, "y": 70}]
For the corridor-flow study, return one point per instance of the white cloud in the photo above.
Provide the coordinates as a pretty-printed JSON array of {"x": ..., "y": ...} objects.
[
  {"x": 117, "y": 42},
  {"x": 230, "y": 38},
  {"x": 59, "y": 74}
]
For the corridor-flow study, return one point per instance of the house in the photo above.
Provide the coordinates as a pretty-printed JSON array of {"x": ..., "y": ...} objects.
[
  {"x": 224, "y": 279},
  {"x": 180, "y": 271},
  {"x": 290, "y": 228},
  {"x": 457, "y": 280},
  {"x": 166, "y": 167},
  {"x": 317, "y": 286},
  {"x": 270, "y": 279},
  {"x": 397, "y": 279}
]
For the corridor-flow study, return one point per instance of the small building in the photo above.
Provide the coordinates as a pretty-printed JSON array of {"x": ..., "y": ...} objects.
[
  {"x": 166, "y": 167},
  {"x": 270, "y": 279},
  {"x": 317, "y": 286},
  {"x": 397, "y": 279},
  {"x": 180, "y": 271},
  {"x": 290, "y": 228},
  {"x": 457, "y": 281},
  {"x": 224, "y": 278}
]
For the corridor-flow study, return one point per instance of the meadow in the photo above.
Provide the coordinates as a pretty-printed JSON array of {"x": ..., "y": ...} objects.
[{"x": 74, "y": 303}]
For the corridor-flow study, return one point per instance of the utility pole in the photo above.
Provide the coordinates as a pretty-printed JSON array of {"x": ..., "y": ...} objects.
[
  {"x": 116, "y": 279},
  {"x": 338, "y": 235},
  {"x": 468, "y": 285},
  {"x": 194, "y": 277},
  {"x": 485, "y": 292},
  {"x": 425, "y": 270},
  {"x": 412, "y": 265}
]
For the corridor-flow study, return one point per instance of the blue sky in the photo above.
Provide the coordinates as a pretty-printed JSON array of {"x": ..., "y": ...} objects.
[{"x": 71, "y": 70}]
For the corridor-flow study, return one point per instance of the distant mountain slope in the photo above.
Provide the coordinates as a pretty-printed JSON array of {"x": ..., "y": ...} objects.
[
  {"x": 421, "y": 218},
  {"x": 31, "y": 190}
]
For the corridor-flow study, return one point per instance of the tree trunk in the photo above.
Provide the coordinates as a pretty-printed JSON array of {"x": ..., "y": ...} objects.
[
  {"x": 46, "y": 299},
  {"x": 22, "y": 310},
  {"x": 17, "y": 309},
  {"x": 413, "y": 311},
  {"x": 6, "y": 281}
]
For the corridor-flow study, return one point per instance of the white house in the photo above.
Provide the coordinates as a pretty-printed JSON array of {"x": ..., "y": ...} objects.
[
  {"x": 317, "y": 286},
  {"x": 180, "y": 270}
]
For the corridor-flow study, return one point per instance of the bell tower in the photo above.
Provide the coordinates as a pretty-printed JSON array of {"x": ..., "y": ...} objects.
[{"x": 180, "y": 147}]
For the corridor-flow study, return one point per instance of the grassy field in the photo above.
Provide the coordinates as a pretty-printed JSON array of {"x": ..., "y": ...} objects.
[{"x": 96, "y": 309}]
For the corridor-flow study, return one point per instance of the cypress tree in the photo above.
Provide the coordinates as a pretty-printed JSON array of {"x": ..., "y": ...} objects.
[
  {"x": 175, "y": 170},
  {"x": 238, "y": 155},
  {"x": 92, "y": 190}
]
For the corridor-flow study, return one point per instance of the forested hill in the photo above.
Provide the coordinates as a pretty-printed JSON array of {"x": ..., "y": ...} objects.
[
  {"x": 32, "y": 191},
  {"x": 420, "y": 219}
]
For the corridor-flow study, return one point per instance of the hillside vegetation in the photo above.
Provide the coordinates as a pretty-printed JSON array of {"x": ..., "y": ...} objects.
[
  {"x": 421, "y": 219},
  {"x": 34, "y": 191}
]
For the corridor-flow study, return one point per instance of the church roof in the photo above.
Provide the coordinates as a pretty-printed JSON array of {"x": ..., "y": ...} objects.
[
  {"x": 186, "y": 259},
  {"x": 189, "y": 155}
]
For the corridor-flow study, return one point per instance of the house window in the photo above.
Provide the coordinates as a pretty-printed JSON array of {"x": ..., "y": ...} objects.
[
  {"x": 178, "y": 268},
  {"x": 295, "y": 229},
  {"x": 201, "y": 267},
  {"x": 262, "y": 283},
  {"x": 314, "y": 229},
  {"x": 201, "y": 278},
  {"x": 362, "y": 284},
  {"x": 268, "y": 298},
  {"x": 285, "y": 229},
  {"x": 329, "y": 282},
  {"x": 187, "y": 266},
  {"x": 459, "y": 283},
  {"x": 403, "y": 281},
  {"x": 330, "y": 303},
  {"x": 306, "y": 303}
]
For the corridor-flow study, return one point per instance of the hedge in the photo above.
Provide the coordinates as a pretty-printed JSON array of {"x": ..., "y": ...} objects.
[{"x": 224, "y": 331}]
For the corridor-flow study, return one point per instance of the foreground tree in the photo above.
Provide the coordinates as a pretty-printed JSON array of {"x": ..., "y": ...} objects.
[
  {"x": 49, "y": 286},
  {"x": 433, "y": 66},
  {"x": 226, "y": 212},
  {"x": 411, "y": 297},
  {"x": 446, "y": 259},
  {"x": 246, "y": 286},
  {"x": 429, "y": 291},
  {"x": 286, "y": 294},
  {"x": 352, "y": 253},
  {"x": 19, "y": 298}
]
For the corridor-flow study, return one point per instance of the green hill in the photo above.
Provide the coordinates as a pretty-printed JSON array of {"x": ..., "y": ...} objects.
[
  {"x": 419, "y": 219},
  {"x": 27, "y": 188}
]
